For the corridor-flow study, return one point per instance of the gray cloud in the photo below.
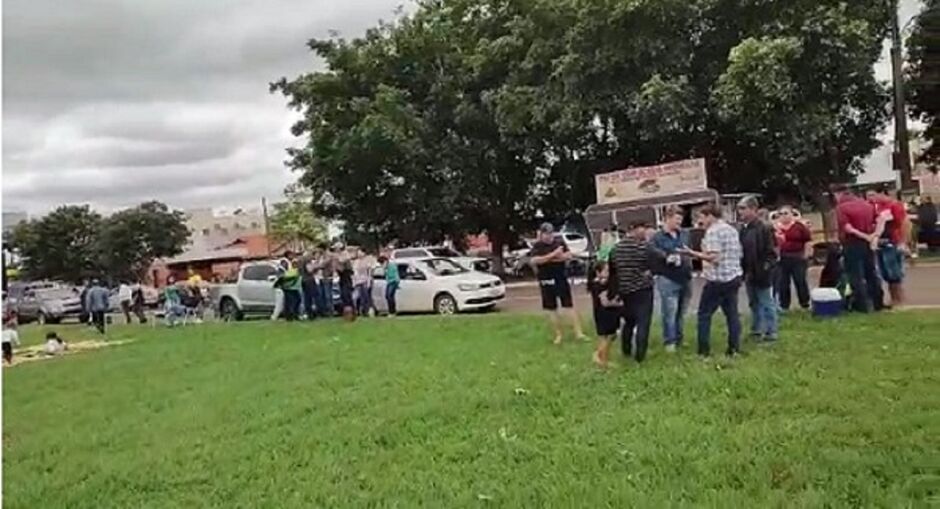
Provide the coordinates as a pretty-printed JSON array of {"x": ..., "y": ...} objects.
[{"x": 112, "y": 102}]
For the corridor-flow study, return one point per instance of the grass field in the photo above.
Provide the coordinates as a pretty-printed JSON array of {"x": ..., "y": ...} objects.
[{"x": 475, "y": 412}]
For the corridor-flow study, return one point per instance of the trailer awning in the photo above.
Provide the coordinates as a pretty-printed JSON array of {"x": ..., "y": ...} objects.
[{"x": 600, "y": 217}]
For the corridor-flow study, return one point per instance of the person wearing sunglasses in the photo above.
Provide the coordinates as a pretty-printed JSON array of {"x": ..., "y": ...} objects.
[{"x": 792, "y": 237}]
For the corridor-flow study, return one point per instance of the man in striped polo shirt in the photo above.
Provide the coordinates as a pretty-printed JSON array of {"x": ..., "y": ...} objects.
[{"x": 632, "y": 282}]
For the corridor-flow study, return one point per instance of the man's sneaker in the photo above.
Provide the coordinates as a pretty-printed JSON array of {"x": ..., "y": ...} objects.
[{"x": 671, "y": 348}]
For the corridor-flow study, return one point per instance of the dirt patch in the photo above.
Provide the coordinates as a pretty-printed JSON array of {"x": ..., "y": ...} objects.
[{"x": 38, "y": 352}]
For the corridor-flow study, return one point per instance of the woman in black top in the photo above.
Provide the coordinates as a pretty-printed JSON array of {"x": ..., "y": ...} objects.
[{"x": 606, "y": 313}]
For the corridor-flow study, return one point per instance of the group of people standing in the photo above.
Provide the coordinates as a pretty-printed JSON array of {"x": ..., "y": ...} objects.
[
  {"x": 874, "y": 233},
  {"x": 305, "y": 283},
  {"x": 645, "y": 261},
  {"x": 764, "y": 256}
]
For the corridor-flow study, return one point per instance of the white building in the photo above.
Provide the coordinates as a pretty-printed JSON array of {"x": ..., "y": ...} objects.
[{"x": 216, "y": 227}]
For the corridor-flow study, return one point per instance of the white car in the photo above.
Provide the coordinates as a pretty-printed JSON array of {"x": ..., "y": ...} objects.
[
  {"x": 577, "y": 243},
  {"x": 467, "y": 262},
  {"x": 517, "y": 260},
  {"x": 438, "y": 285}
]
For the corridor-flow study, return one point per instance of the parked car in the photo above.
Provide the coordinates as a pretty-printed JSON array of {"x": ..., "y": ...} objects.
[
  {"x": 17, "y": 290},
  {"x": 438, "y": 285},
  {"x": 49, "y": 305},
  {"x": 517, "y": 259},
  {"x": 468, "y": 262},
  {"x": 577, "y": 243},
  {"x": 253, "y": 292}
]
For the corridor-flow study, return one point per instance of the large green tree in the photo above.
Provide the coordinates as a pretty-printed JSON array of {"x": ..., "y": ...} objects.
[
  {"x": 924, "y": 77},
  {"x": 478, "y": 114},
  {"x": 133, "y": 238},
  {"x": 73, "y": 242},
  {"x": 62, "y": 245},
  {"x": 771, "y": 93},
  {"x": 414, "y": 130},
  {"x": 294, "y": 223}
]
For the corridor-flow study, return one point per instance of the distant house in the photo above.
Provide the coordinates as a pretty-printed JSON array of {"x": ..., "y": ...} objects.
[{"x": 216, "y": 262}]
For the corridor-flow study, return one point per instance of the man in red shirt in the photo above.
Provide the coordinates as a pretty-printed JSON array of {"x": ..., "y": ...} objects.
[
  {"x": 891, "y": 232},
  {"x": 856, "y": 219}
]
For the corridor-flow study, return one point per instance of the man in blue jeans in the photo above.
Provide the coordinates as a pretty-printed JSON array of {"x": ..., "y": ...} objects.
[
  {"x": 721, "y": 257},
  {"x": 759, "y": 263},
  {"x": 856, "y": 218},
  {"x": 673, "y": 278}
]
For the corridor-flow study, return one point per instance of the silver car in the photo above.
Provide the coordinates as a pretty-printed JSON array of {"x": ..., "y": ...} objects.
[{"x": 49, "y": 305}]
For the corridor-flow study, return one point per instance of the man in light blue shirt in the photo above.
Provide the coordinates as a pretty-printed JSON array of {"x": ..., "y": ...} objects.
[{"x": 98, "y": 298}]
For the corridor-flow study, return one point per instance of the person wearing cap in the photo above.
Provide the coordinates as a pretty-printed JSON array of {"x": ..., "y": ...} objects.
[
  {"x": 759, "y": 263},
  {"x": 631, "y": 278},
  {"x": 550, "y": 256}
]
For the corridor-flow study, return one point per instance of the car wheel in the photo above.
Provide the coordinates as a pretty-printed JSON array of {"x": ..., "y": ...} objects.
[
  {"x": 41, "y": 318},
  {"x": 444, "y": 304},
  {"x": 229, "y": 311}
]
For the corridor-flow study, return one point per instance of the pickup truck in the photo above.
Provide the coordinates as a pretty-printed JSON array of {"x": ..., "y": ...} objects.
[{"x": 253, "y": 292}]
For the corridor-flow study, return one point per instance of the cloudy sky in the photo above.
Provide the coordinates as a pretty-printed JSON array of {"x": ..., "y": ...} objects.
[{"x": 113, "y": 102}]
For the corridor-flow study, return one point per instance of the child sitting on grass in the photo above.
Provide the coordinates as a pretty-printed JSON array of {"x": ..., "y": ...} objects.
[
  {"x": 11, "y": 337},
  {"x": 54, "y": 344},
  {"x": 607, "y": 313}
]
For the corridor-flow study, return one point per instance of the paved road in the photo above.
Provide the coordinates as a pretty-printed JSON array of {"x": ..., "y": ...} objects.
[{"x": 922, "y": 284}]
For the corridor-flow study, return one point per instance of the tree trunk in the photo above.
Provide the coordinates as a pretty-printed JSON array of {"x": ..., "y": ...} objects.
[
  {"x": 822, "y": 203},
  {"x": 497, "y": 242}
]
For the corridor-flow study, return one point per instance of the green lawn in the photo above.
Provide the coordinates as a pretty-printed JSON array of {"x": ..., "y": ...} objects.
[{"x": 477, "y": 411}]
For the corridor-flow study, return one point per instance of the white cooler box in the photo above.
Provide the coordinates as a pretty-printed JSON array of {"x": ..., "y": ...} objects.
[{"x": 827, "y": 302}]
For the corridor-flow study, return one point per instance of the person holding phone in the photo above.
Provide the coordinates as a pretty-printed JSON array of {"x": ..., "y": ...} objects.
[
  {"x": 550, "y": 255},
  {"x": 721, "y": 256},
  {"x": 674, "y": 277}
]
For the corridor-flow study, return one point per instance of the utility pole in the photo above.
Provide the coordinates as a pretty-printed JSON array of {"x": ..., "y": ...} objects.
[
  {"x": 267, "y": 225},
  {"x": 901, "y": 160}
]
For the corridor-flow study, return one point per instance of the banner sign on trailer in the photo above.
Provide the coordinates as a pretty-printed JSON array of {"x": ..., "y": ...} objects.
[{"x": 651, "y": 181}]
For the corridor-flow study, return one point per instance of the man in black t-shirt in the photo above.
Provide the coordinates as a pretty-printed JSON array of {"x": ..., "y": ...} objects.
[{"x": 550, "y": 256}]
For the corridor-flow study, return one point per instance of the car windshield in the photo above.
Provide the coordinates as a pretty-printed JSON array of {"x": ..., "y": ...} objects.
[
  {"x": 442, "y": 267},
  {"x": 443, "y": 252},
  {"x": 55, "y": 293}
]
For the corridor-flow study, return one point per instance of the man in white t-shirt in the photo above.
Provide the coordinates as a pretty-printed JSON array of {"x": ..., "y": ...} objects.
[{"x": 125, "y": 297}]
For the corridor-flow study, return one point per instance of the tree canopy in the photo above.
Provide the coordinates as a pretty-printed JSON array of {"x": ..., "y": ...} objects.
[
  {"x": 62, "y": 245},
  {"x": 294, "y": 223},
  {"x": 924, "y": 77},
  {"x": 73, "y": 242},
  {"x": 132, "y": 239},
  {"x": 480, "y": 114}
]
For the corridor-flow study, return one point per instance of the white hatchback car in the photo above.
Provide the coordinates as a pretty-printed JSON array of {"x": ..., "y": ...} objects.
[
  {"x": 469, "y": 262},
  {"x": 438, "y": 285}
]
